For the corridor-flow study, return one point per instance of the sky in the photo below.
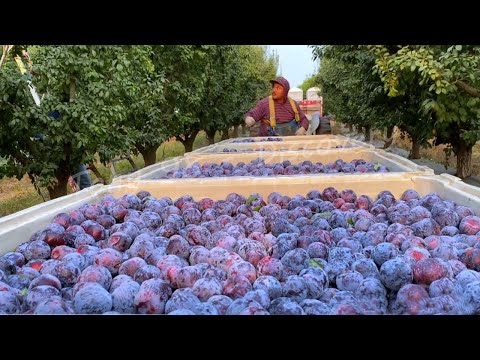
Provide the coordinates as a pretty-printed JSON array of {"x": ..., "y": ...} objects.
[{"x": 295, "y": 62}]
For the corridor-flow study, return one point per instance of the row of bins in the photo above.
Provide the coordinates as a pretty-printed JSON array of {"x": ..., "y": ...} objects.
[
  {"x": 402, "y": 174},
  {"x": 290, "y": 166}
]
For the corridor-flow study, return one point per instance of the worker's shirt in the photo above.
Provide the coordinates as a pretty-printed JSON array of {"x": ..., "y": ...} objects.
[{"x": 283, "y": 112}]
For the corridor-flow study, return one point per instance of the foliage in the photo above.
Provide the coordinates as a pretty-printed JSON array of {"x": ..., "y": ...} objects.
[
  {"x": 80, "y": 114},
  {"x": 451, "y": 77},
  {"x": 448, "y": 79},
  {"x": 351, "y": 91},
  {"x": 312, "y": 81}
]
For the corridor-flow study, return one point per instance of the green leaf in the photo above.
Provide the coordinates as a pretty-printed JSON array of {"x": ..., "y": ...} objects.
[
  {"x": 376, "y": 166},
  {"x": 315, "y": 263},
  {"x": 251, "y": 199},
  {"x": 325, "y": 215},
  {"x": 350, "y": 221},
  {"x": 24, "y": 292},
  {"x": 257, "y": 208},
  {"x": 458, "y": 47}
]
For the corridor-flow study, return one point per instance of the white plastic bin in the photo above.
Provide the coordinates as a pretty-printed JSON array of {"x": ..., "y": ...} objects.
[
  {"x": 18, "y": 227},
  {"x": 395, "y": 163}
]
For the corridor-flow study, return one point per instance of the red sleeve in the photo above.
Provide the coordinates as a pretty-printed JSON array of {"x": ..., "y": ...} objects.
[{"x": 260, "y": 111}]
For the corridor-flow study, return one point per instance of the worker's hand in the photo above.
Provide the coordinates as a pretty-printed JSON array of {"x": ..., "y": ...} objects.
[
  {"x": 301, "y": 131},
  {"x": 249, "y": 121},
  {"x": 73, "y": 185}
]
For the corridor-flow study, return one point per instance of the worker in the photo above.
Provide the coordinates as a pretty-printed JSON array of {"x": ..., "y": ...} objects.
[
  {"x": 82, "y": 177},
  {"x": 278, "y": 114}
]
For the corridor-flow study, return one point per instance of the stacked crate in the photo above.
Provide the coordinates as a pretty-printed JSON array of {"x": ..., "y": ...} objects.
[
  {"x": 18, "y": 227},
  {"x": 403, "y": 174}
]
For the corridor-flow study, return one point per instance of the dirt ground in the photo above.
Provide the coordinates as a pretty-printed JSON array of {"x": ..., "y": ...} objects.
[{"x": 398, "y": 149}]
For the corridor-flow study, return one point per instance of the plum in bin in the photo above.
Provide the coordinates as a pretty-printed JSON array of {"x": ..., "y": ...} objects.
[
  {"x": 285, "y": 306},
  {"x": 123, "y": 298},
  {"x": 129, "y": 267},
  {"x": 152, "y": 296},
  {"x": 396, "y": 273},
  {"x": 236, "y": 287}
]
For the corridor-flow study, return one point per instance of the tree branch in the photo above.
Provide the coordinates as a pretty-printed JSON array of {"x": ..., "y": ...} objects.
[
  {"x": 21, "y": 158},
  {"x": 94, "y": 169},
  {"x": 33, "y": 148},
  {"x": 36, "y": 186},
  {"x": 140, "y": 147},
  {"x": 73, "y": 88},
  {"x": 470, "y": 90}
]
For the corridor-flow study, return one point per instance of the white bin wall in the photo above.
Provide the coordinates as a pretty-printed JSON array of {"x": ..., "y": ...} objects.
[{"x": 17, "y": 228}]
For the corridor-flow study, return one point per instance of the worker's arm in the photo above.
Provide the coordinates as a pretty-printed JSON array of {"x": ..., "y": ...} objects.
[
  {"x": 300, "y": 131},
  {"x": 303, "y": 121},
  {"x": 259, "y": 112},
  {"x": 249, "y": 121}
]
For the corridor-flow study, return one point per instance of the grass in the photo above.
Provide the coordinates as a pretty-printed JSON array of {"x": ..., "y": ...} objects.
[
  {"x": 16, "y": 195},
  {"x": 433, "y": 153},
  {"x": 437, "y": 154}
]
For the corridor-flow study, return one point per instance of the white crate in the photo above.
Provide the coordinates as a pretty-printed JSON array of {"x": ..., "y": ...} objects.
[
  {"x": 17, "y": 228},
  {"x": 395, "y": 163}
]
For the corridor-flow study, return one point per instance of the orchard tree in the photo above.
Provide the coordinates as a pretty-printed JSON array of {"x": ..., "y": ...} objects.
[
  {"x": 351, "y": 91},
  {"x": 450, "y": 79},
  {"x": 261, "y": 66},
  {"x": 354, "y": 91},
  {"x": 184, "y": 84},
  {"x": 143, "y": 96},
  {"x": 311, "y": 81},
  {"x": 239, "y": 77},
  {"x": 222, "y": 70},
  {"x": 209, "y": 87},
  {"x": 258, "y": 66},
  {"x": 80, "y": 114}
]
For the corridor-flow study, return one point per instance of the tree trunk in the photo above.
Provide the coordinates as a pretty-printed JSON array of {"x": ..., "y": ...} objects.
[
  {"x": 132, "y": 163},
  {"x": 464, "y": 160},
  {"x": 235, "y": 131},
  {"x": 415, "y": 151},
  {"x": 350, "y": 128},
  {"x": 367, "y": 133},
  {"x": 470, "y": 90},
  {"x": 188, "y": 144},
  {"x": 188, "y": 140},
  {"x": 211, "y": 136},
  {"x": 389, "y": 138},
  {"x": 60, "y": 188},
  {"x": 149, "y": 154},
  {"x": 225, "y": 134}
]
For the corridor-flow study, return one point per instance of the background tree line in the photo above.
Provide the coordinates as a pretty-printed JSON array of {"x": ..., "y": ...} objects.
[{"x": 106, "y": 101}]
